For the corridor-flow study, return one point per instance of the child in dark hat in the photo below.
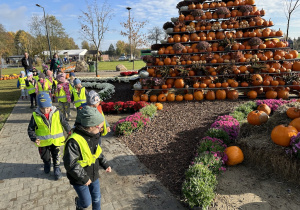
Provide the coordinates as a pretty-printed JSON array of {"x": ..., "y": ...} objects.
[
  {"x": 43, "y": 85},
  {"x": 71, "y": 79},
  {"x": 83, "y": 157},
  {"x": 78, "y": 94},
  {"x": 46, "y": 131}
]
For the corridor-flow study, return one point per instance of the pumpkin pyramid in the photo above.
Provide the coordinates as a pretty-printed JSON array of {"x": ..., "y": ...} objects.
[{"x": 218, "y": 50}]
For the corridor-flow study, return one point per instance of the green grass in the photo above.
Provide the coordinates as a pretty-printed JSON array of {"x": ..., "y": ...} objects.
[
  {"x": 14, "y": 70},
  {"x": 9, "y": 95},
  {"x": 112, "y": 65}
]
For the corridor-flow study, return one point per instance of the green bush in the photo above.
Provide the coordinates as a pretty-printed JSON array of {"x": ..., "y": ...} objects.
[
  {"x": 211, "y": 160},
  {"x": 219, "y": 134},
  {"x": 149, "y": 111},
  {"x": 242, "y": 111},
  {"x": 210, "y": 144},
  {"x": 124, "y": 128},
  {"x": 198, "y": 188}
]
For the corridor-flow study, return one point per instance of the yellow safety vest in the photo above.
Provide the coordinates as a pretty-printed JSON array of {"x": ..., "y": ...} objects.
[
  {"x": 49, "y": 135},
  {"x": 87, "y": 157},
  {"x": 53, "y": 81},
  {"x": 36, "y": 77},
  {"x": 78, "y": 100},
  {"x": 30, "y": 88},
  {"x": 46, "y": 87},
  {"x": 22, "y": 82},
  {"x": 104, "y": 126},
  {"x": 61, "y": 95}
]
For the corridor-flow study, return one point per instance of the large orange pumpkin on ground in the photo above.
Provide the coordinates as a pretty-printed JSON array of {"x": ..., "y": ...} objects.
[
  {"x": 235, "y": 155},
  {"x": 265, "y": 108},
  {"x": 296, "y": 123},
  {"x": 293, "y": 112},
  {"x": 257, "y": 117},
  {"x": 282, "y": 135}
]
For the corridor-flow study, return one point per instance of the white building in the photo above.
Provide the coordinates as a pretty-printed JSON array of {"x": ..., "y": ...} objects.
[{"x": 70, "y": 54}]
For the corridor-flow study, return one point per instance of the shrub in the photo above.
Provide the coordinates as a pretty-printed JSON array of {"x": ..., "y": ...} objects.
[
  {"x": 118, "y": 106},
  {"x": 123, "y": 128},
  {"x": 295, "y": 146},
  {"x": 139, "y": 105},
  {"x": 129, "y": 106},
  {"x": 149, "y": 111},
  {"x": 212, "y": 160},
  {"x": 210, "y": 144},
  {"x": 219, "y": 134},
  {"x": 198, "y": 188},
  {"x": 228, "y": 124}
]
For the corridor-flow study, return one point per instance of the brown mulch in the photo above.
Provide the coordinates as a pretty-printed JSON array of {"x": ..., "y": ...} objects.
[{"x": 168, "y": 144}]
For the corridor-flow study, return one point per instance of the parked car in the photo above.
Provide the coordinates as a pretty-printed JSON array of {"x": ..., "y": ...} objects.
[{"x": 123, "y": 58}]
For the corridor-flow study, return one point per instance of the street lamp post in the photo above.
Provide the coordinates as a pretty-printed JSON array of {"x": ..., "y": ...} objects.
[
  {"x": 129, "y": 22},
  {"x": 46, "y": 30}
]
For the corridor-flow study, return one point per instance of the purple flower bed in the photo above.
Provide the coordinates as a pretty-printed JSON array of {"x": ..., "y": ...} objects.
[
  {"x": 295, "y": 146},
  {"x": 274, "y": 104},
  {"x": 228, "y": 124}
]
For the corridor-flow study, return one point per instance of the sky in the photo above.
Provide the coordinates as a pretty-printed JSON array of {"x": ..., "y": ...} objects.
[{"x": 16, "y": 14}]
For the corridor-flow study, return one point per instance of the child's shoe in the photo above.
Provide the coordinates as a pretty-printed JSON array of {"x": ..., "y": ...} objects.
[
  {"x": 31, "y": 107},
  {"x": 22, "y": 97},
  {"x": 57, "y": 173},
  {"x": 47, "y": 167}
]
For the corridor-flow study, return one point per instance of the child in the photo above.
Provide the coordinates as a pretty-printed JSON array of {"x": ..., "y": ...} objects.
[
  {"x": 30, "y": 86},
  {"x": 35, "y": 74},
  {"x": 52, "y": 82},
  {"x": 79, "y": 94},
  {"x": 42, "y": 85},
  {"x": 21, "y": 84},
  {"x": 71, "y": 79},
  {"x": 83, "y": 158},
  {"x": 46, "y": 131},
  {"x": 63, "y": 95}
]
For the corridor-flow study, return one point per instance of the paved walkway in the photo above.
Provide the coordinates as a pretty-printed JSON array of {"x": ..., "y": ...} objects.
[{"x": 23, "y": 184}]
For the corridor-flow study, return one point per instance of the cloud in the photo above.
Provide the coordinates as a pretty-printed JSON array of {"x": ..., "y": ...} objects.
[
  {"x": 13, "y": 19},
  {"x": 67, "y": 8}
]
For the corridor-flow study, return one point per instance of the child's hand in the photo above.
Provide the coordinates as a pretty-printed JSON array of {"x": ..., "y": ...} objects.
[
  {"x": 88, "y": 183},
  {"x": 108, "y": 129},
  {"x": 37, "y": 141},
  {"x": 108, "y": 169}
]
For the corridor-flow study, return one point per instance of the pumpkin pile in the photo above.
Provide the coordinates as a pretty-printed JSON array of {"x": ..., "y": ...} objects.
[
  {"x": 9, "y": 77},
  {"x": 219, "y": 50}
]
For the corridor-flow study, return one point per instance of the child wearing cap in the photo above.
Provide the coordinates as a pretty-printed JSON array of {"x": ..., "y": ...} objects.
[
  {"x": 78, "y": 94},
  {"x": 83, "y": 157},
  {"x": 51, "y": 81},
  {"x": 46, "y": 131},
  {"x": 63, "y": 95},
  {"x": 42, "y": 85},
  {"x": 35, "y": 74},
  {"x": 71, "y": 79},
  {"x": 22, "y": 85},
  {"x": 30, "y": 86}
]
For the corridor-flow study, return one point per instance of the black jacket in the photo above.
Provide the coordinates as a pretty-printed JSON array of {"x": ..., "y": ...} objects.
[
  {"x": 32, "y": 124},
  {"x": 33, "y": 82},
  {"x": 52, "y": 66},
  {"x": 75, "y": 173},
  {"x": 24, "y": 63}
]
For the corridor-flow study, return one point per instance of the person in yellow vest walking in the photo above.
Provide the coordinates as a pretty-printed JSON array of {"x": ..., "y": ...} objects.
[
  {"x": 83, "y": 157},
  {"x": 35, "y": 74},
  {"x": 52, "y": 82},
  {"x": 63, "y": 95},
  {"x": 78, "y": 94},
  {"x": 42, "y": 85},
  {"x": 45, "y": 129},
  {"x": 30, "y": 86},
  {"x": 21, "y": 84}
]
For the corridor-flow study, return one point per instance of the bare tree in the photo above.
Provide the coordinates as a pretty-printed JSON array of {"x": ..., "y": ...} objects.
[
  {"x": 290, "y": 7},
  {"x": 155, "y": 34},
  {"x": 95, "y": 23}
]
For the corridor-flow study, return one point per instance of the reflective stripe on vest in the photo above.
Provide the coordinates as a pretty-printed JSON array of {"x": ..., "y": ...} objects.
[
  {"x": 78, "y": 100},
  {"x": 22, "y": 82},
  {"x": 43, "y": 133},
  {"x": 104, "y": 126},
  {"x": 30, "y": 88},
  {"x": 46, "y": 87},
  {"x": 87, "y": 157}
]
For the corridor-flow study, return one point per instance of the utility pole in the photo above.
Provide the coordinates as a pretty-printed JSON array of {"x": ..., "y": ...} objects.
[
  {"x": 46, "y": 30},
  {"x": 129, "y": 22}
]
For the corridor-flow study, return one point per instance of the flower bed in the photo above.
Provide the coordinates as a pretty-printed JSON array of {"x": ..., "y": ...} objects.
[
  {"x": 108, "y": 79},
  {"x": 135, "y": 121},
  {"x": 107, "y": 89},
  {"x": 200, "y": 181},
  {"x": 128, "y": 73},
  {"x": 122, "y": 107}
]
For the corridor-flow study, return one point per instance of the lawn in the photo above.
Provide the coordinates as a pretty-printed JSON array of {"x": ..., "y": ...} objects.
[
  {"x": 112, "y": 65},
  {"x": 9, "y": 95}
]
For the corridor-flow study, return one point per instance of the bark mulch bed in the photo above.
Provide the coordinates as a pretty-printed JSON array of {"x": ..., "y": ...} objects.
[{"x": 168, "y": 144}]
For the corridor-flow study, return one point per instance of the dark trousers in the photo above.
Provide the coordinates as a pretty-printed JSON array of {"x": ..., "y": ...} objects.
[
  {"x": 47, "y": 152},
  {"x": 32, "y": 96}
]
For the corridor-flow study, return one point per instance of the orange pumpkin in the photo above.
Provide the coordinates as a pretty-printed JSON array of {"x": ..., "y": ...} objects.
[
  {"x": 296, "y": 66},
  {"x": 210, "y": 95},
  {"x": 144, "y": 97},
  {"x": 179, "y": 98},
  {"x": 171, "y": 97},
  {"x": 136, "y": 98},
  {"x": 188, "y": 97},
  {"x": 293, "y": 112},
  {"x": 283, "y": 94},
  {"x": 179, "y": 83},
  {"x": 296, "y": 123},
  {"x": 265, "y": 108},
  {"x": 252, "y": 94},
  {"x": 198, "y": 95},
  {"x": 257, "y": 117},
  {"x": 282, "y": 135},
  {"x": 162, "y": 97},
  {"x": 221, "y": 94},
  {"x": 159, "y": 106},
  {"x": 232, "y": 95},
  {"x": 234, "y": 154}
]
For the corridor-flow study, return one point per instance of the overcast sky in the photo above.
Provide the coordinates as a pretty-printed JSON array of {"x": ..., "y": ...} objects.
[{"x": 16, "y": 14}]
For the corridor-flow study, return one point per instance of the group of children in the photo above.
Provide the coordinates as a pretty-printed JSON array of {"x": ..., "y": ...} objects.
[{"x": 82, "y": 153}]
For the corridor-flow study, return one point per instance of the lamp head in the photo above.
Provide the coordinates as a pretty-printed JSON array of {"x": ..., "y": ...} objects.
[
  {"x": 128, "y": 8},
  {"x": 38, "y": 5}
]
